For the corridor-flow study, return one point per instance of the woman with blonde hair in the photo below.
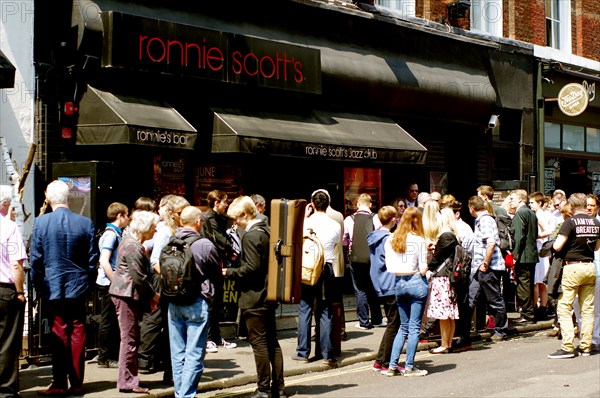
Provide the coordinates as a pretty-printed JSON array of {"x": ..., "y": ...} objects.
[
  {"x": 405, "y": 256},
  {"x": 154, "y": 348},
  {"x": 442, "y": 299},
  {"x": 431, "y": 215}
]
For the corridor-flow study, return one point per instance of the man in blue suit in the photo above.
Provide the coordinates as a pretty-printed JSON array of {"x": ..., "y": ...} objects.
[{"x": 63, "y": 257}]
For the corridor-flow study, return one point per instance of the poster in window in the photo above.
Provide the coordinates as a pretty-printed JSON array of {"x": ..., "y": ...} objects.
[
  {"x": 225, "y": 178},
  {"x": 549, "y": 180},
  {"x": 438, "y": 182},
  {"x": 169, "y": 176},
  {"x": 596, "y": 184},
  {"x": 80, "y": 193},
  {"x": 359, "y": 180}
]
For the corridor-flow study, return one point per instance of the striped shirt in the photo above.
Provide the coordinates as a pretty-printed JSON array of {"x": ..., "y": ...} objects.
[{"x": 485, "y": 228}]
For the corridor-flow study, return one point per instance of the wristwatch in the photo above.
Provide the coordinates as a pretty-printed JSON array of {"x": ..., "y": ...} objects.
[
  {"x": 485, "y": 264},
  {"x": 20, "y": 293}
]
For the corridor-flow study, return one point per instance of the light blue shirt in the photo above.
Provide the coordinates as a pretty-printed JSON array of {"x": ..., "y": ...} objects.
[
  {"x": 485, "y": 228},
  {"x": 110, "y": 240}
]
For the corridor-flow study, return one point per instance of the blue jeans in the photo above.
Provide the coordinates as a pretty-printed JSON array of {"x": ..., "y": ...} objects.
[
  {"x": 188, "y": 334},
  {"x": 489, "y": 282},
  {"x": 411, "y": 296},
  {"x": 319, "y": 296}
]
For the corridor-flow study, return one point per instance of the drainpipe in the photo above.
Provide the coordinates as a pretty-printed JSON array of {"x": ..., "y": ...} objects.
[{"x": 540, "y": 130}]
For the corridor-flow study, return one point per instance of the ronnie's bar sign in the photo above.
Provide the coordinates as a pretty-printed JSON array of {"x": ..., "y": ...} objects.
[
  {"x": 573, "y": 99},
  {"x": 151, "y": 45}
]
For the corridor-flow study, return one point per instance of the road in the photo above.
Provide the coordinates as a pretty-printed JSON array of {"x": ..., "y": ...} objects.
[{"x": 514, "y": 368}]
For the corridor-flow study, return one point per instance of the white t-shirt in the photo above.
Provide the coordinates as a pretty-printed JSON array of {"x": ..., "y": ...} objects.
[
  {"x": 327, "y": 230},
  {"x": 409, "y": 263}
]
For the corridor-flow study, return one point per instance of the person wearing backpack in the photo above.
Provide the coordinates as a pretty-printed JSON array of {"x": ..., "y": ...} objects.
[
  {"x": 189, "y": 317},
  {"x": 525, "y": 254},
  {"x": 442, "y": 298},
  {"x": 322, "y": 294},
  {"x": 356, "y": 228},
  {"x": 108, "y": 331},
  {"x": 487, "y": 269},
  {"x": 257, "y": 313}
]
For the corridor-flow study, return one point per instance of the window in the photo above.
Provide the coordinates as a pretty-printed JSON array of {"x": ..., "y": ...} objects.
[
  {"x": 407, "y": 8},
  {"x": 486, "y": 16},
  {"x": 593, "y": 140},
  {"x": 558, "y": 25},
  {"x": 571, "y": 138},
  {"x": 552, "y": 135}
]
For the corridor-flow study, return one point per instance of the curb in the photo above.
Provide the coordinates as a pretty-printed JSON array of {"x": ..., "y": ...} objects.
[{"x": 314, "y": 367}]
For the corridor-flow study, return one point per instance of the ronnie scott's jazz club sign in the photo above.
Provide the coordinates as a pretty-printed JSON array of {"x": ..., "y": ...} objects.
[{"x": 144, "y": 44}]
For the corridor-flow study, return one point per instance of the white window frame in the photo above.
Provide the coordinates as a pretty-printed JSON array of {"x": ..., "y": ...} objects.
[
  {"x": 486, "y": 16},
  {"x": 563, "y": 19},
  {"x": 407, "y": 8}
]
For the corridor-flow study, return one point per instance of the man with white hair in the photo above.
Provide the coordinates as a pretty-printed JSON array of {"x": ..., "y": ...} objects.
[
  {"x": 5, "y": 198},
  {"x": 423, "y": 198},
  {"x": 63, "y": 257}
]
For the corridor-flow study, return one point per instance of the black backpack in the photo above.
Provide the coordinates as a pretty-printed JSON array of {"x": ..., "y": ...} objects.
[
  {"x": 461, "y": 266},
  {"x": 180, "y": 282},
  {"x": 506, "y": 233},
  {"x": 363, "y": 225}
]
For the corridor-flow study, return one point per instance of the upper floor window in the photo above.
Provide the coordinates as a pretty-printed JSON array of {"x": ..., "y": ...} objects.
[
  {"x": 486, "y": 16},
  {"x": 558, "y": 24},
  {"x": 571, "y": 138},
  {"x": 407, "y": 8}
]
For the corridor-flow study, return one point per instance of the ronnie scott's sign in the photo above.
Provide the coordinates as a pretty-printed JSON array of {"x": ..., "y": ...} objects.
[
  {"x": 573, "y": 99},
  {"x": 144, "y": 44}
]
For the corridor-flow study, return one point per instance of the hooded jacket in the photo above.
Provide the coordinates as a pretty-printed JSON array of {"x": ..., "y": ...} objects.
[
  {"x": 207, "y": 262},
  {"x": 384, "y": 282}
]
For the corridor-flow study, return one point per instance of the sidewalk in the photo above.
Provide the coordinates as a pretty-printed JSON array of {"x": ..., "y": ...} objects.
[{"x": 235, "y": 367}]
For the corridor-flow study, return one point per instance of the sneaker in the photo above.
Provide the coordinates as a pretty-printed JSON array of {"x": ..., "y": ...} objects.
[
  {"x": 553, "y": 332},
  {"x": 384, "y": 370},
  {"x": 108, "y": 364},
  {"x": 211, "y": 347},
  {"x": 227, "y": 344},
  {"x": 299, "y": 358},
  {"x": 584, "y": 353},
  {"x": 393, "y": 372},
  {"x": 414, "y": 372},
  {"x": 496, "y": 338},
  {"x": 562, "y": 354},
  {"x": 383, "y": 324},
  {"x": 329, "y": 362},
  {"x": 376, "y": 367},
  {"x": 359, "y": 326}
]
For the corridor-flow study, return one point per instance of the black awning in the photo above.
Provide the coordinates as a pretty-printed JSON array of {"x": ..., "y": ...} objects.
[
  {"x": 317, "y": 135},
  {"x": 108, "y": 119},
  {"x": 7, "y": 72}
]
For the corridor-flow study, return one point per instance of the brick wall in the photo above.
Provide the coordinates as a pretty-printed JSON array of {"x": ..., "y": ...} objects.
[
  {"x": 528, "y": 19},
  {"x": 437, "y": 11},
  {"x": 586, "y": 28}
]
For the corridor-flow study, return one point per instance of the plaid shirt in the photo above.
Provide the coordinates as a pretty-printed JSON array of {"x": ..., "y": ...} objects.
[{"x": 485, "y": 228}]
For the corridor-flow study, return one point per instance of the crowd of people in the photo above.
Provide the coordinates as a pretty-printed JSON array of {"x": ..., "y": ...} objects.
[{"x": 398, "y": 260}]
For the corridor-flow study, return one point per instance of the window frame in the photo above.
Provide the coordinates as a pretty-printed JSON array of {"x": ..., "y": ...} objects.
[{"x": 479, "y": 13}]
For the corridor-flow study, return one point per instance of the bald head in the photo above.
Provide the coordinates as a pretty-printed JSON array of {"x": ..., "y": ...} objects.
[{"x": 191, "y": 217}]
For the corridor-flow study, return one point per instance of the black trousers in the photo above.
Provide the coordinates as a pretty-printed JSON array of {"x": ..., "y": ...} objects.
[
  {"x": 393, "y": 325},
  {"x": 108, "y": 333},
  {"x": 525, "y": 273},
  {"x": 154, "y": 349},
  {"x": 366, "y": 297},
  {"x": 12, "y": 312},
  {"x": 214, "y": 309},
  {"x": 262, "y": 335}
]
